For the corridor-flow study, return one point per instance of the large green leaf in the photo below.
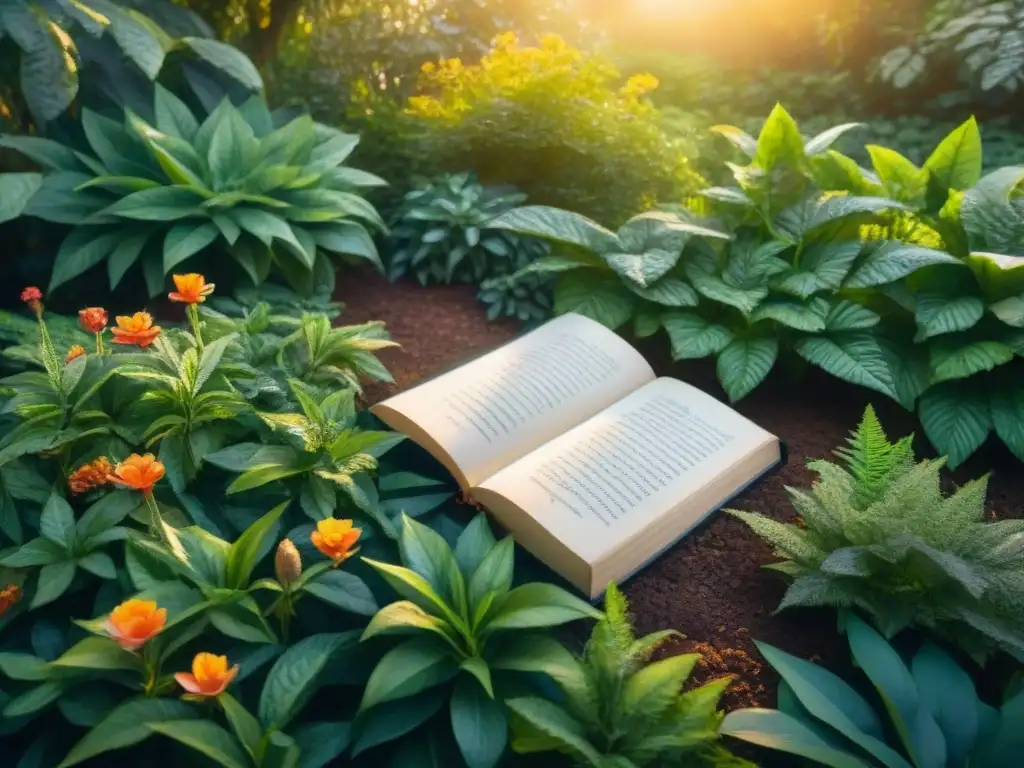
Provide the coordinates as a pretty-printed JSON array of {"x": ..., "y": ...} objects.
[
  {"x": 938, "y": 314},
  {"x": 159, "y": 204},
  {"x": 823, "y": 267},
  {"x": 644, "y": 269},
  {"x": 538, "y": 605},
  {"x": 738, "y": 138},
  {"x": 126, "y": 725},
  {"x": 803, "y": 218},
  {"x": 173, "y": 116},
  {"x": 855, "y": 357},
  {"x": 692, "y": 336},
  {"x": 185, "y": 240},
  {"x": 802, "y": 316},
  {"x": 956, "y": 420},
  {"x": 207, "y": 738},
  {"x": 394, "y": 719},
  {"x": 99, "y": 653},
  {"x": 57, "y": 522},
  {"x": 343, "y": 590},
  {"x": 744, "y": 364},
  {"x": 245, "y": 551},
  {"x": 601, "y": 297},
  {"x": 321, "y": 743},
  {"x": 297, "y": 674},
  {"x": 948, "y": 692},
  {"x": 559, "y": 226},
  {"x": 49, "y": 70},
  {"x": 479, "y": 724},
  {"x": 1007, "y": 404},
  {"x": 137, "y": 37},
  {"x": 348, "y": 237},
  {"x": 414, "y": 666},
  {"x": 233, "y": 149},
  {"x": 904, "y": 180},
  {"x": 784, "y": 733},
  {"x": 81, "y": 250},
  {"x": 549, "y": 727},
  {"x": 827, "y": 138},
  {"x": 893, "y": 261},
  {"x": 956, "y": 162},
  {"x": 958, "y": 359}
]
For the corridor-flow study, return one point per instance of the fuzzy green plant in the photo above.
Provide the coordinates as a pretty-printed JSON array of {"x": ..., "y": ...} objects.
[
  {"x": 619, "y": 710},
  {"x": 879, "y": 534}
]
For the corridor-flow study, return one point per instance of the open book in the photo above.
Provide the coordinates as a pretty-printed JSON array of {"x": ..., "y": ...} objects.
[{"x": 567, "y": 437}]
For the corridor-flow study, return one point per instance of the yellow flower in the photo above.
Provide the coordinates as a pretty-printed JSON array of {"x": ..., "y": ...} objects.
[
  {"x": 335, "y": 538},
  {"x": 134, "y": 622},
  {"x": 210, "y": 675},
  {"x": 77, "y": 350},
  {"x": 137, "y": 329},
  {"x": 640, "y": 84},
  {"x": 192, "y": 289}
]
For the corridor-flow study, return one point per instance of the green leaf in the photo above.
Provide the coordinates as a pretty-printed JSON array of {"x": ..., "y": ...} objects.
[
  {"x": 855, "y": 357},
  {"x": 134, "y": 36},
  {"x": 393, "y": 719},
  {"x": 692, "y": 336},
  {"x": 1010, "y": 311},
  {"x": 655, "y": 688},
  {"x": 893, "y": 261},
  {"x": 539, "y": 605},
  {"x": 600, "y": 297},
  {"x": 246, "y": 727},
  {"x": 244, "y": 553},
  {"x": 185, "y": 240},
  {"x": 159, "y": 204},
  {"x": 494, "y": 574},
  {"x": 744, "y": 364},
  {"x": 206, "y": 738},
  {"x": 173, "y": 117},
  {"x": 849, "y": 316},
  {"x": 713, "y": 287},
  {"x": 956, "y": 421},
  {"x": 53, "y": 582},
  {"x": 783, "y": 733},
  {"x": 780, "y": 142},
  {"x": 557, "y": 726},
  {"x": 242, "y": 620},
  {"x": 402, "y": 618},
  {"x": 738, "y": 138},
  {"x": 1007, "y": 408},
  {"x": 227, "y": 59},
  {"x": 937, "y": 314},
  {"x": 426, "y": 552},
  {"x": 408, "y": 669},
  {"x": 33, "y": 700},
  {"x": 955, "y": 359},
  {"x": 902, "y": 178},
  {"x": 668, "y": 292},
  {"x": 36, "y": 552},
  {"x": 297, "y": 674},
  {"x": 559, "y": 226},
  {"x": 343, "y": 590},
  {"x": 321, "y": 743},
  {"x": 81, "y": 250},
  {"x": 125, "y": 254},
  {"x": 127, "y": 725},
  {"x": 948, "y": 692},
  {"x": 956, "y": 162},
  {"x": 16, "y": 189},
  {"x": 57, "y": 522},
  {"x": 802, "y": 316},
  {"x": 479, "y": 724},
  {"x": 822, "y": 268},
  {"x": 478, "y": 668},
  {"x": 473, "y": 545},
  {"x": 98, "y": 653},
  {"x": 348, "y": 237},
  {"x": 827, "y": 138},
  {"x": 49, "y": 72}
]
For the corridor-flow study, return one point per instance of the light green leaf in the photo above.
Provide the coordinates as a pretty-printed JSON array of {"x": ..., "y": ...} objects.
[
  {"x": 158, "y": 204},
  {"x": 16, "y": 189},
  {"x": 227, "y": 59},
  {"x": 407, "y": 669},
  {"x": 938, "y": 314},
  {"x": 692, "y": 336},
  {"x": 827, "y": 138},
  {"x": 538, "y": 605},
  {"x": 855, "y": 357},
  {"x": 783, "y": 733},
  {"x": 957, "y": 359},
  {"x": 473, "y": 545},
  {"x": 494, "y": 574},
  {"x": 779, "y": 142},
  {"x": 956, "y": 162},
  {"x": 668, "y": 292},
  {"x": 244, "y": 552},
  {"x": 557, "y": 726},
  {"x": 559, "y": 226},
  {"x": 893, "y": 261},
  {"x": 402, "y": 618},
  {"x": 600, "y": 297},
  {"x": 99, "y": 653},
  {"x": 802, "y": 316},
  {"x": 744, "y": 364},
  {"x": 738, "y": 138}
]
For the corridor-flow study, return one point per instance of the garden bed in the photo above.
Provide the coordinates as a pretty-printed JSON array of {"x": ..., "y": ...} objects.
[{"x": 710, "y": 586}]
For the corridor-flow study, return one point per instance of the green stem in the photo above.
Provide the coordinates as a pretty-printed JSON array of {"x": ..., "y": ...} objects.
[
  {"x": 99, "y": 343},
  {"x": 152, "y": 671},
  {"x": 193, "y": 316},
  {"x": 155, "y": 529}
]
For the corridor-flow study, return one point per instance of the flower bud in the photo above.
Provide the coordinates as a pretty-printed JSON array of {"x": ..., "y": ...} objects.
[{"x": 287, "y": 563}]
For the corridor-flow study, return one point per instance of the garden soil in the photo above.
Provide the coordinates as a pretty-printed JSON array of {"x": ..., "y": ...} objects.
[{"x": 710, "y": 586}]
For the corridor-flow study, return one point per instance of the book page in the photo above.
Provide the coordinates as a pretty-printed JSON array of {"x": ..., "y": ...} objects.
[
  {"x": 488, "y": 413},
  {"x": 612, "y": 479}
]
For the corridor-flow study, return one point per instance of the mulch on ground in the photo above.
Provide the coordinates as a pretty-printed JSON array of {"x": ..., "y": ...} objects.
[{"x": 710, "y": 586}]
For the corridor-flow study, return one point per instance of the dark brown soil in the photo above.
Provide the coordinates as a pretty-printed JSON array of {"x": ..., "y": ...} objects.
[{"x": 710, "y": 586}]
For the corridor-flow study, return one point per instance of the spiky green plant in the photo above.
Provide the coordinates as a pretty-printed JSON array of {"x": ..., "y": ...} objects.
[
  {"x": 879, "y": 534},
  {"x": 621, "y": 711}
]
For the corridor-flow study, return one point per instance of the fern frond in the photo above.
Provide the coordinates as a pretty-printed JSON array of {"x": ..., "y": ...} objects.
[
  {"x": 814, "y": 590},
  {"x": 788, "y": 540},
  {"x": 872, "y": 460},
  {"x": 616, "y": 613}
]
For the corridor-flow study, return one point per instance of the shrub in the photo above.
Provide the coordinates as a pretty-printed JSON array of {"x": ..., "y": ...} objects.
[
  {"x": 551, "y": 121},
  {"x": 935, "y": 714},
  {"x": 877, "y": 533},
  {"x": 621, "y": 710},
  {"x": 154, "y": 196}
]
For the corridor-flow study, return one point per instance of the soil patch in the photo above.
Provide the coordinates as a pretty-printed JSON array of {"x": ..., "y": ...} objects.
[{"x": 710, "y": 586}]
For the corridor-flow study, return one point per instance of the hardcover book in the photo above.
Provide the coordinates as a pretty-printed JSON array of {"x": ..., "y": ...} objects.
[{"x": 571, "y": 442}]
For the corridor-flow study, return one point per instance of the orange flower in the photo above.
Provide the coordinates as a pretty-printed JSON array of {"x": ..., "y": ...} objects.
[
  {"x": 9, "y": 595},
  {"x": 335, "y": 539},
  {"x": 134, "y": 622},
  {"x": 93, "y": 319},
  {"x": 192, "y": 289},
  {"x": 137, "y": 329},
  {"x": 139, "y": 473},
  {"x": 76, "y": 351},
  {"x": 209, "y": 677},
  {"x": 34, "y": 298},
  {"x": 95, "y": 474}
]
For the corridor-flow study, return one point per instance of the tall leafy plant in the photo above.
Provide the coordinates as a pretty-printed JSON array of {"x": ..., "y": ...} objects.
[
  {"x": 235, "y": 186},
  {"x": 878, "y": 533}
]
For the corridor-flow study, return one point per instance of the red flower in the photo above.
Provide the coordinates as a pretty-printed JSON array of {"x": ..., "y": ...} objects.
[{"x": 93, "y": 319}]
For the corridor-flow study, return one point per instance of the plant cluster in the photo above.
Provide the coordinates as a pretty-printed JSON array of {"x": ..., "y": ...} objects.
[
  {"x": 926, "y": 711},
  {"x": 877, "y": 533},
  {"x": 149, "y": 601},
  {"x": 553, "y": 121},
  {"x": 243, "y": 184},
  {"x": 899, "y": 279}
]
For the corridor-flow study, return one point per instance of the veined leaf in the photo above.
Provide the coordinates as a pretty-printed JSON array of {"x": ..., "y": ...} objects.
[
  {"x": 779, "y": 142},
  {"x": 558, "y": 225},
  {"x": 744, "y": 364},
  {"x": 802, "y": 316},
  {"x": 956, "y": 359},
  {"x": 692, "y": 336},
  {"x": 855, "y": 357},
  {"x": 600, "y": 297},
  {"x": 893, "y": 261},
  {"x": 938, "y": 314},
  {"x": 956, "y": 162},
  {"x": 956, "y": 420}
]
